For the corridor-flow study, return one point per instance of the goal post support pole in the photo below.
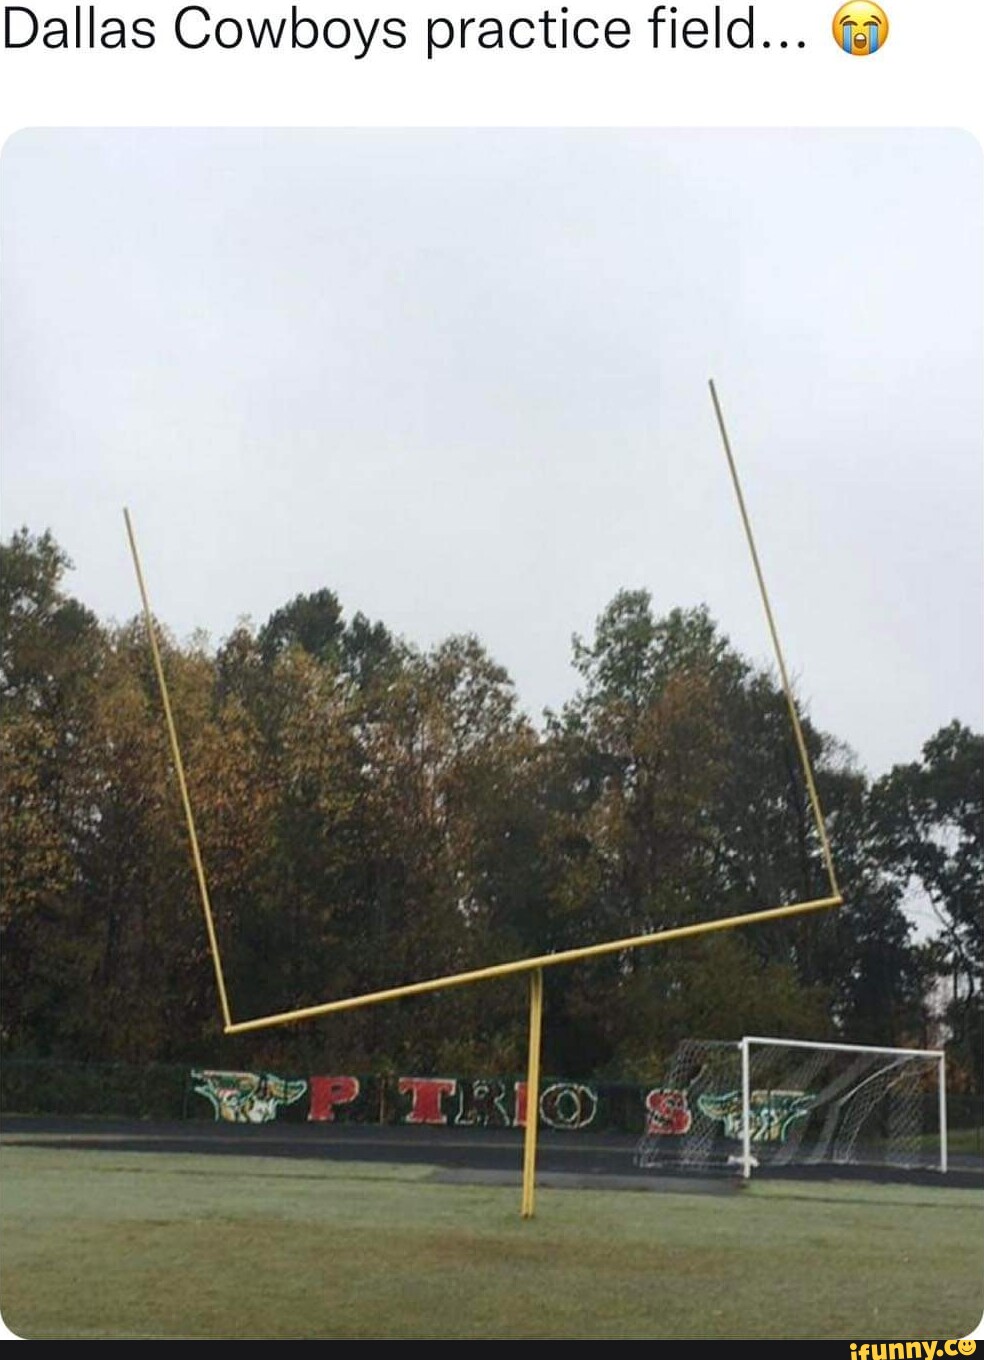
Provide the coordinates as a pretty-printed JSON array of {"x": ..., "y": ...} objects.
[{"x": 532, "y": 1093}]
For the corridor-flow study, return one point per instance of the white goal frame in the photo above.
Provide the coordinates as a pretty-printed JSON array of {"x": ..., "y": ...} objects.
[{"x": 748, "y": 1161}]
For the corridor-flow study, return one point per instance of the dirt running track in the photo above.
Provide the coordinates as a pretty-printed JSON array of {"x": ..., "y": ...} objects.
[{"x": 479, "y": 1155}]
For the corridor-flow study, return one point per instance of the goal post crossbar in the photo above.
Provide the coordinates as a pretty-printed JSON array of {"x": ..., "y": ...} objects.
[{"x": 844, "y": 1048}]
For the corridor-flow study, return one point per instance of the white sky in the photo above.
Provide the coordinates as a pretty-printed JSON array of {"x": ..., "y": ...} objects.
[{"x": 460, "y": 378}]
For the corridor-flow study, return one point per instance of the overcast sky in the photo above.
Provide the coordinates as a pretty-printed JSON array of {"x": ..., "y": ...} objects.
[{"x": 460, "y": 378}]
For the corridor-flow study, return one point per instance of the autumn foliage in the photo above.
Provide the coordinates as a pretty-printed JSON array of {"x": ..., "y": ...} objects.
[{"x": 371, "y": 814}]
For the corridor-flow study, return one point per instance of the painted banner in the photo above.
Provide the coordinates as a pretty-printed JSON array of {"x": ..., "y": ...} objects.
[
  {"x": 260, "y": 1097},
  {"x": 246, "y": 1097},
  {"x": 489, "y": 1102}
]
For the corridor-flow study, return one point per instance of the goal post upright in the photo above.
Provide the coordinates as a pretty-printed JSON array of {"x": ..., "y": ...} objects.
[
  {"x": 172, "y": 732},
  {"x": 746, "y": 1112},
  {"x": 787, "y": 688}
]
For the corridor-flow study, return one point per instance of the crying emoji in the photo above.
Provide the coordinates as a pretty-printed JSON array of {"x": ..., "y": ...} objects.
[{"x": 860, "y": 29}]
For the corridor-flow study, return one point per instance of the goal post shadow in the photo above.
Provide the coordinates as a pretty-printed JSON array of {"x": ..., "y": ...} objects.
[{"x": 532, "y": 965}]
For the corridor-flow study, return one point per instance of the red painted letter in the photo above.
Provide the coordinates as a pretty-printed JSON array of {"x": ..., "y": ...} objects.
[
  {"x": 327, "y": 1092},
  {"x": 427, "y": 1092}
]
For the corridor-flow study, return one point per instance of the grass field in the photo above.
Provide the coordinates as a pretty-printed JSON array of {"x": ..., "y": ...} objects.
[{"x": 118, "y": 1245}]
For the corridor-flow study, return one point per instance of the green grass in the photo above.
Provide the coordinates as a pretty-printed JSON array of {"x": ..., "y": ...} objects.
[
  {"x": 965, "y": 1141},
  {"x": 108, "y": 1245}
]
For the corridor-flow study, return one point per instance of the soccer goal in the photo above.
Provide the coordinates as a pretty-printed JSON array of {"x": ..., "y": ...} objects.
[{"x": 786, "y": 1102}]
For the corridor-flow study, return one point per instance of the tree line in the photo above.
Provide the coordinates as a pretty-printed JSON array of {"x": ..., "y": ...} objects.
[{"x": 372, "y": 813}]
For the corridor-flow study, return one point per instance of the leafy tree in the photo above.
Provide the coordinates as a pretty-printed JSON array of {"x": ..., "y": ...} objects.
[
  {"x": 864, "y": 951},
  {"x": 677, "y": 802},
  {"x": 930, "y": 820},
  {"x": 311, "y": 622},
  {"x": 370, "y": 814},
  {"x": 51, "y": 654},
  {"x": 42, "y": 630}
]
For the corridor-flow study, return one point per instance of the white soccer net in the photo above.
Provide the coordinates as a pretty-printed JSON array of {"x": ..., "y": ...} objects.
[{"x": 772, "y": 1103}]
